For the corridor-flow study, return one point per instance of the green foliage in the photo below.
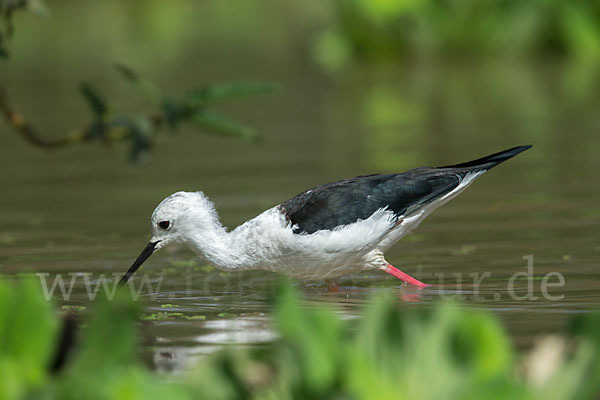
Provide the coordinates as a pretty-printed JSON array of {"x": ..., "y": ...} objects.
[
  {"x": 218, "y": 123},
  {"x": 445, "y": 352},
  {"x": 28, "y": 329},
  {"x": 96, "y": 103},
  {"x": 228, "y": 91},
  {"x": 192, "y": 108},
  {"x": 138, "y": 131},
  {"x": 393, "y": 28},
  {"x": 105, "y": 365}
]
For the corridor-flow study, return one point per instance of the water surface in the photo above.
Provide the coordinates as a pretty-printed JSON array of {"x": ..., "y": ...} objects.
[{"x": 86, "y": 209}]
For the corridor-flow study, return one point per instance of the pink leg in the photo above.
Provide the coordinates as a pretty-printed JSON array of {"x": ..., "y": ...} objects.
[{"x": 390, "y": 269}]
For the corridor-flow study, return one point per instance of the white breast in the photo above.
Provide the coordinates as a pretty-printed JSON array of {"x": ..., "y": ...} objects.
[{"x": 270, "y": 243}]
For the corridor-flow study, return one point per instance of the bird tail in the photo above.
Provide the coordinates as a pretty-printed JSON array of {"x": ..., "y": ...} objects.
[{"x": 490, "y": 161}]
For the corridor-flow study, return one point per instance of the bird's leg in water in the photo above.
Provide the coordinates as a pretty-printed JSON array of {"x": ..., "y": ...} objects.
[{"x": 390, "y": 269}]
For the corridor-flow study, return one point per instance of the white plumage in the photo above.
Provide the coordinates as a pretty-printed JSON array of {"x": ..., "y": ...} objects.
[
  {"x": 268, "y": 241},
  {"x": 322, "y": 233}
]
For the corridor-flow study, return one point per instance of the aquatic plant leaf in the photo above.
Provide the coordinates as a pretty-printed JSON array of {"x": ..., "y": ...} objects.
[
  {"x": 162, "y": 316},
  {"x": 73, "y": 308},
  {"x": 194, "y": 317},
  {"x": 226, "y": 315}
]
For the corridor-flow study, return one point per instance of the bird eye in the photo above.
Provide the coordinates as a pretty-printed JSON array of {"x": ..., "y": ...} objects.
[{"x": 164, "y": 224}]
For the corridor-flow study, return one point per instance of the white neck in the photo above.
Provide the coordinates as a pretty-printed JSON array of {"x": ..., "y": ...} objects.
[{"x": 220, "y": 248}]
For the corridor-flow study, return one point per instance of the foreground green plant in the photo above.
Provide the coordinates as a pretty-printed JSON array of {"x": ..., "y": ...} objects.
[{"x": 445, "y": 352}]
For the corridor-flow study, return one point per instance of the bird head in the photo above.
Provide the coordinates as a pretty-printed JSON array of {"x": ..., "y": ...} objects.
[{"x": 174, "y": 221}]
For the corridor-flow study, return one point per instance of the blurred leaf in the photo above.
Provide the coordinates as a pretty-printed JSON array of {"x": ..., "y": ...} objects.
[
  {"x": 173, "y": 112},
  {"x": 394, "y": 353},
  {"x": 332, "y": 50},
  {"x": 28, "y": 332},
  {"x": 403, "y": 348},
  {"x": 148, "y": 88},
  {"x": 109, "y": 327},
  {"x": 3, "y": 50},
  {"x": 142, "y": 132},
  {"x": 229, "y": 91},
  {"x": 586, "y": 325},
  {"x": 409, "y": 29},
  {"x": 315, "y": 336},
  {"x": 106, "y": 364},
  {"x": 481, "y": 345},
  {"x": 582, "y": 32},
  {"x": 218, "y": 123},
  {"x": 94, "y": 100}
]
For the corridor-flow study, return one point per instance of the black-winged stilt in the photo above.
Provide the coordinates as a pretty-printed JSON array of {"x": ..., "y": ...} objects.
[{"x": 322, "y": 233}]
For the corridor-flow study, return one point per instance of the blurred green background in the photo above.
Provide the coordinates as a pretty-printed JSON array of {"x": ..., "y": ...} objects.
[{"x": 365, "y": 87}]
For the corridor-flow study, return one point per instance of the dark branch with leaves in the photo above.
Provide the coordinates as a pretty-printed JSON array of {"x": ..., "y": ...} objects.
[{"x": 138, "y": 131}]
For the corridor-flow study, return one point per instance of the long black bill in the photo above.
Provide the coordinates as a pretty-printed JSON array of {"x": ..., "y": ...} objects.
[{"x": 147, "y": 252}]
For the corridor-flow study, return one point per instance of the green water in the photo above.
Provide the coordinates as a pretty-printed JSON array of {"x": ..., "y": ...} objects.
[{"x": 86, "y": 209}]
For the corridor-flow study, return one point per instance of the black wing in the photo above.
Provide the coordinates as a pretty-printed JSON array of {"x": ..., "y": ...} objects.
[{"x": 344, "y": 202}]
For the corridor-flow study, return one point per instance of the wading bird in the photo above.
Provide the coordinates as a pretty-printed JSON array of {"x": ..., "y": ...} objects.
[{"x": 322, "y": 233}]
